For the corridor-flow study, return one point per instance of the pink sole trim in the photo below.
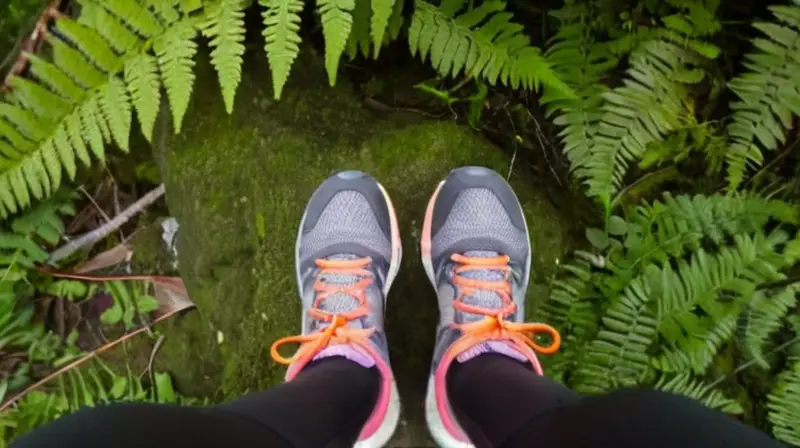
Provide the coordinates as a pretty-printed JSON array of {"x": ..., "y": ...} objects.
[{"x": 379, "y": 413}]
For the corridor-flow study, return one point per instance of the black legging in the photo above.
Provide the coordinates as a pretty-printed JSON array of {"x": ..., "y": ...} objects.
[{"x": 499, "y": 402}]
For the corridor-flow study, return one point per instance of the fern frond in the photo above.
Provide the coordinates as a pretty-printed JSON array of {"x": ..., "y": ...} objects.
[
  {"x": 617, "y": 357},
  {"x": 53, "y": 77},
  {"x": 337, "y": 20},
  {"x": 282, "y": 38},
  {"x": 90, "y": 43},
  {"x": 769, "y": 94},
  {"x": 90, "y": 118},
  {"x": 644, "y": 110},
  {"x": 31, "y": 126},
  {"x": 175, "y": 51},
  {"x": 783, "y": 403},
  {"x": 381, "y": 12},
  {"x": 225, "y": 28},
  {"x": 116, "y": 109},
  {"x": 764, "y": 316},
  {"x": 165, "y": 9},
  {"x": 481, "y": 42},
  {"x": 75, "y": 64},
  {"x": 65, "y": 152},
  {"x": 144, "y": 86},
  {"x": 698, "y": 285},
  {"x": 360, "y": 39},
  {"x": 74, "y": 129},
  {"x": 697, "y": 390},
  {"x": 136, "y": 16},
  {"x": 581, "y": 62},
  {"x": 95, "y": 16},
  {"x": 41, "y": 101}
]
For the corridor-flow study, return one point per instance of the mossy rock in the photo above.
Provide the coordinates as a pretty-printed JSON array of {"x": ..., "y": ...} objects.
[{"x": 238, "y": 184}]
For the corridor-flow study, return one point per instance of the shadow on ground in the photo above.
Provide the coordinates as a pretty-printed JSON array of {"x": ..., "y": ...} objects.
[{"x": 238, "y": 185}]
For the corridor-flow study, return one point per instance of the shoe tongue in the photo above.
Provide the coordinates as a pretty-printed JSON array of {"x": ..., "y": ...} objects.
[
  {"x": 339, "y": 302},
  {"x": 482, "y": 298}
]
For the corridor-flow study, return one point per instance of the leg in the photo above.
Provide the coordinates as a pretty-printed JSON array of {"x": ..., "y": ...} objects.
[
  {"x": 502, "y": 403},
  {"x": 326, "y": 405}
]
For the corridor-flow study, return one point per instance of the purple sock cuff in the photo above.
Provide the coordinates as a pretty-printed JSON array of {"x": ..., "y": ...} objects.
[
  {"x": 349, "y": 351},
  {"x": 499, "y": 347}
]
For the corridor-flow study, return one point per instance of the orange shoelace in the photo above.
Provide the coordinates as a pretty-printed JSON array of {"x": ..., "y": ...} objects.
[
  {"x": 494, "y": 326},
  {"x": 338, "y": 332}
]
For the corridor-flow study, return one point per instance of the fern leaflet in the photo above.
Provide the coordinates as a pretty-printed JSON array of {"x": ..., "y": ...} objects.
[
  {"x": 783, "y": 403},
  {"x": 381, "y": 12},
  {"x": 481, "y": 42},
  {"x": 695, "y": 389},
  {"x": 282, "y": 37},
  {"x": 175, "y": 51},
  {"x": 769, "y": 94},
  {"x": 225, "y": 27},
  {"x": 144, "y": 87},
  {"x": 337, "y": 20}
]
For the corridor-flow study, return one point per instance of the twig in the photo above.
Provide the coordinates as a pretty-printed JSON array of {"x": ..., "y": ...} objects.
[
  {"x": 543, "y": 144},
  {"x": 103, "y": 231},
  {"x": 96, "y": 205}
]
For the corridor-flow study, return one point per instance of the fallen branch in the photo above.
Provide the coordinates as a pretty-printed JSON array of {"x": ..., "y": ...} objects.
[{"x": 103, "y": 231}]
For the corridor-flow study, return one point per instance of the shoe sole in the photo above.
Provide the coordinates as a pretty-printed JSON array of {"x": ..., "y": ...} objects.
[
  {"x": 435, "y": 425},
  {"x": 392, "y": 417}
]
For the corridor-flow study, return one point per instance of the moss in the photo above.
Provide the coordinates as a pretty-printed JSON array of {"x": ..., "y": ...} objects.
[
  {"x": 238, "y": 185},
  {"x": 150, "y": 254}
]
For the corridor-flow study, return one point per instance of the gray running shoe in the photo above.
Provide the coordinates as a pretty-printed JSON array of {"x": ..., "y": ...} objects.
[
  {"x": 347, "y": 256},
  {"x": 477, "y": 254}
]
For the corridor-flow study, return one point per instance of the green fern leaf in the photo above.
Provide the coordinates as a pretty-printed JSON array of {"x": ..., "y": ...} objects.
[
  {"x": 189, "y": 6},
  {"x": 282, "y": 37},
  {"x": 649, "y": 105},
  {"x": 19, "y": 187},
  {"x": 51, "y": 162},
  {"x": 74, "y": 64},
  {"x": 336, "y": 24},
  {"x": 73, "y": 124},
  {"x": 165, "y": 9},
  {"x": 144, "y": 86},
  {"x": 52, "y": 76},
  {"x": 783, "y": 403},
  {"x": 225, "y": 28},
  {"x": 479, "y": 41},
  {"x": 89, "y": 42},
  {"x": 95, "y": 16},
  {"x": 695, "y": 389},
  {"x": 41, "y": 171},
  {"x": 39, "y": 100},
  {"x": 136, "y": 15},
  {"x": 10, "y": 133},
  {"x": 6, "y": 195},
  {"x": 764, "y": 316},
  {"x": 91, "y": 117},
  {"x": 769, "y": 94},
  {"x": 32, "y": 127},
  {"x": 117, "y": 111},
  {"x": 397, "y": 20},
  {"x": 360, "y": 31},
  {"x": 381, "y": 12},
  {"x": 65, "y": 151},
  {"x": 9, "y": 152},
  {"x": 175, "y": 50},
  {"x": 32, "y": 176}
]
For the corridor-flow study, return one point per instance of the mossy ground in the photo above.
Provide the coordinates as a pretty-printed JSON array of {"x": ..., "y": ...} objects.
[{"x": 238, "y": 185}]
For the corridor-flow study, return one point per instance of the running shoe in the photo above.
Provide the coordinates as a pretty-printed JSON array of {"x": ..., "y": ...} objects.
[
  {"x": 476, "y": 252},
  {"x": 347, "y": 256}
]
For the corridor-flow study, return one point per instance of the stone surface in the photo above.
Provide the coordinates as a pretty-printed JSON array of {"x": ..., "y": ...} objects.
[{"x": 238, "y": 185}]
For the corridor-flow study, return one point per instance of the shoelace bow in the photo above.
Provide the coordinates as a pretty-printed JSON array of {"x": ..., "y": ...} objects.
[
  {"x": 494, "y": 325},
  {"x": 338, "y": 332}
]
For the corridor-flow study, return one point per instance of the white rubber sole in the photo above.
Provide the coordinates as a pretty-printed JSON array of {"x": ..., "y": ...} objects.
[
  {"x": 440, "y": 434},
  {"x": 385, "y": 431}
]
